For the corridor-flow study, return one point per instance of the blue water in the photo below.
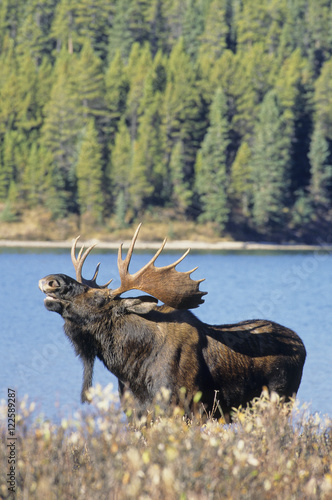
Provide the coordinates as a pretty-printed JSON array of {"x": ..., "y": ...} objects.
[{"x": 294, "y": 289}]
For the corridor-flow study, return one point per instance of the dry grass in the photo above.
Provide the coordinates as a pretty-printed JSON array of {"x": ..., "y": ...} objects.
[
  {"x": 38, "y": 224},
  {"x": 268, "y": 452}
]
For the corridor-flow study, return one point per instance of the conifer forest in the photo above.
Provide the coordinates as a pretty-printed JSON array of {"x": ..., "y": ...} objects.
[{"x": 212, "y": 111}]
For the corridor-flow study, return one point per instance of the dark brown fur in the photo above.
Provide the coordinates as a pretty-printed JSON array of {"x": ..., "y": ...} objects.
[{"x": 148, "y": 347}]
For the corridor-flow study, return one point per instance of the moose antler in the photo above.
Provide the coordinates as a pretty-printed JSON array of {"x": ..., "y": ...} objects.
[
  {"x": 172, "y": 287},
  {"x": 78, "y": 264}
]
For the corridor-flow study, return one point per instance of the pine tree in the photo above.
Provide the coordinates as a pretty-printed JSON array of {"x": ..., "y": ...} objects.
[
  {"x": 182, "y": 110},
  {"x": 158, "y": 30},
  {"x": 293, "y": 86},
  {"x": 10, "y": 211},
  {"x": 216, "y": 32},
  {"x": 11, "y": 15},
  {"x": 130, "y": 25},
  {"x": 151, "y": 154},
  {"x": 136, "y": 83},
  {"x": 256, "y": 22},
  {"x": 211, "y": 167},
  {"x": 241, "y": 180},
  {"x": 88, "y": 88},
  {"x": 116, "y": 88},
  {"x": 89, "y": 172},
  {"x": 60, "y": 134},
  {"x": 8, "y": 171},
  {"x": 64, "y": 29},
  {"x": 321, "y": 169},
  {"x": 120, "y": 167},
  {"x": 33, "y": 35},
  {"x": 193, "y": 26},
  {"x": 35, "y": 173},
  {"x": 270, "y": 165},
  {"x": 140, "y": 186},
  {"x": 181, "y": 193},
  {"x": 322, "y": 99},
  {"x": 92, "y": 21},
  {"x": 9, "y": 87}
]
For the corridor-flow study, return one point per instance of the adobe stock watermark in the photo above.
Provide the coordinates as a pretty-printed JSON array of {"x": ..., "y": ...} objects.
[
  {"x": 11, "y": 441},
  {"x": 293, "y": 279},
  {"x": 39, "y": 359}
]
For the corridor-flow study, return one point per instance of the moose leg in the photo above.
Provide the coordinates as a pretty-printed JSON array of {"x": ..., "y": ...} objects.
[{"x": 87, "y": 377}]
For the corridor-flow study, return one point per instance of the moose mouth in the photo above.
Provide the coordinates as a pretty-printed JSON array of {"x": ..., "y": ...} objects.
[{"x": 50, "y": 296}]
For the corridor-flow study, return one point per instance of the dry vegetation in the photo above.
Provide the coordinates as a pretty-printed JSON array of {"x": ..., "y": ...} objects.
[
  {"x": 38, "y": 224},
  {"x": 268, "y": 452}
]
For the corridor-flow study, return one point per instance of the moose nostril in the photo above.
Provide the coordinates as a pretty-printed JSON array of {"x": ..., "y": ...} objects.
[{"x": 53, "y": 284}]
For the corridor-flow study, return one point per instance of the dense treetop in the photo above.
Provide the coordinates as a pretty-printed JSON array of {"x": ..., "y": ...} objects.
[{"x": 218, "y": 111}]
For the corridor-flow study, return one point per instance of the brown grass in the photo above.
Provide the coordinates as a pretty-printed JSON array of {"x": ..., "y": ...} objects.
[
  {"x": 38, "y": 224},
  {"x": 268, "y": 452}
]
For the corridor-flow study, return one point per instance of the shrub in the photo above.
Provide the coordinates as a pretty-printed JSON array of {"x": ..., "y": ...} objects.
[{"x": 270, "y": 451}]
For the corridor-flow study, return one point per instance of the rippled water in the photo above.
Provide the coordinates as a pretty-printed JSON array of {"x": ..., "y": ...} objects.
[{"x": 294, "y": 289}]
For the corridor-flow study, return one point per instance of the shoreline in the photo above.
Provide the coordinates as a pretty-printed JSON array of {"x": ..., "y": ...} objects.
[{"x": 170, "y": 245}]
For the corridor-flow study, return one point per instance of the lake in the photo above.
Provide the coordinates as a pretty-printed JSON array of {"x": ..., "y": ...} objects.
[{"x": 293, "y": 289}]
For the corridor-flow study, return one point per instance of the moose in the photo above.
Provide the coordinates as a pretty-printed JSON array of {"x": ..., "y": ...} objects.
[{"x": 149, "y": 346}]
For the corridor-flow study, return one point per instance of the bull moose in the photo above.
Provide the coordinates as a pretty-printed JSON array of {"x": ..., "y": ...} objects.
[{"x": 149, "y": 346}]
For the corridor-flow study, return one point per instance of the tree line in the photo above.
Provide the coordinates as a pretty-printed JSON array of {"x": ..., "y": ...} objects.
[{"x": 219, "y": 110}]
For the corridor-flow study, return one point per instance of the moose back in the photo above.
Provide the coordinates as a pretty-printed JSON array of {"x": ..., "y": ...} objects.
[{"x": 149, "y": 346}]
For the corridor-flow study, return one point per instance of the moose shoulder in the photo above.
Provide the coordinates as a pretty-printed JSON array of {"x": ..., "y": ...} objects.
[{"x": 148, "y": 347}]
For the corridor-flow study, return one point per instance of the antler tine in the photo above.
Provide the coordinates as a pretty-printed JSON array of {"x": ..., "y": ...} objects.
[
  {"x": 124, "y": 264},
  {"x": 174, "y": 288},
  {"x": 78, "y": 265}
]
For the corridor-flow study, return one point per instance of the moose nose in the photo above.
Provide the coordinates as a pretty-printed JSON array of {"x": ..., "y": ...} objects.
[{"x": 48, "y": 284}]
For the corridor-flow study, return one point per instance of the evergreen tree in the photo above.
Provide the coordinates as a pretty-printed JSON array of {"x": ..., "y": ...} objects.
[
  {"x": 270, "y": 173},
  {"x": 88, "y": 88},
  {"x": 93, "y": 22},
  {"x": 121, "y": 163},
  {"x": 175, "y": 12},
  {"x": 321, "y": 169},
  {"x": 319, "y": 21},
  {"x": 142, "y": 65},
  {"x": 8, "y": 172},
  {"x": 182, "y": 112},
  {"x": 241, "y": 179},
  {"x": 216, "y": 33},
  {"x": 158, "y": 30},
  {"x": 116, "y": 88},
  {"x": 54, "y": 189},
  {"x": 9, "y": 88},
  {"x": 252, "y": 81},
  {"x": 33, "y": 178},
  {"x": 11, "y": 15},
  {"x": 322, "y": 99},
  {"x": 130, "y": 25},
  {"x": 211, "y": 168},
  {"x": 295, "y": 95},
  {"x": 34, "y": 31},
  {"x": 181, "y": 193},
  {"x": 151, "y": 154},
  {"x": 256, "y": 22},
  {"x": 89, "y": 172},
  {"x": 10, "y": 211},
  {"x": 193, "y": 26},
  {"x": 64, "y": 29},
  {"x": 60, "y": 134},
  {"x": 140, "y": 187}
]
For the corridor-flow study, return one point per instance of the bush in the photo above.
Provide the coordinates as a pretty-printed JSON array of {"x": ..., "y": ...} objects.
[{"x": 270, "y": 451}]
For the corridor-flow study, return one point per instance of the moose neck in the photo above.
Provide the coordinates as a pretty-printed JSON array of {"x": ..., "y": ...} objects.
[{"x": 123, "y": 343}]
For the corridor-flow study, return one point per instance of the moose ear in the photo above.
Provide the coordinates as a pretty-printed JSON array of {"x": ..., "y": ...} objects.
[{"x": 140, "y": 305}]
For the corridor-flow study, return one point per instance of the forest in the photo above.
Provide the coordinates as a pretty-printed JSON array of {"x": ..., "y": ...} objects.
[{"x": 212, "y": 111}]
